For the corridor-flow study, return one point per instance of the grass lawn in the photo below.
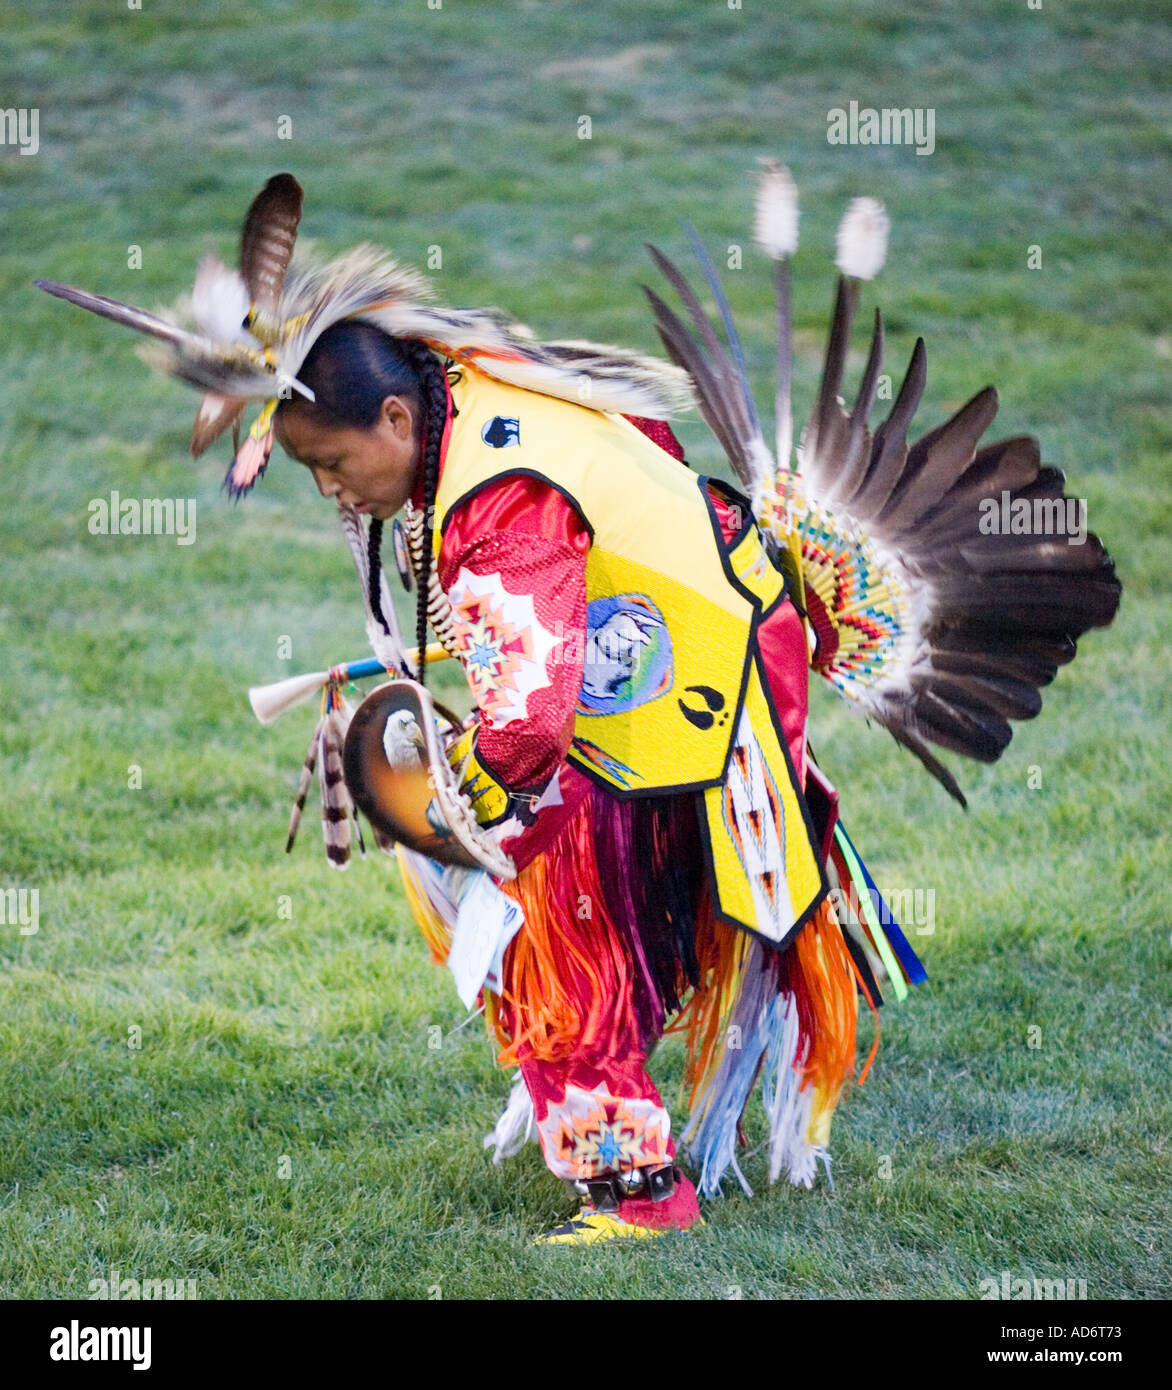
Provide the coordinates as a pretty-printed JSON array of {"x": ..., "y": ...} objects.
[{"x": 199, "y": 1085}]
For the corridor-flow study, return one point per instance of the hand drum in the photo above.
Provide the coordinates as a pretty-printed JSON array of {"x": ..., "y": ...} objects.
[{"x": 400, "y": 778}]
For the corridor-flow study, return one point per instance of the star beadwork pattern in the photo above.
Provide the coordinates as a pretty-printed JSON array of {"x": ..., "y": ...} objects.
[
  {"x": 593, "y": 1132},
  {"x": 501, "y": 643}
]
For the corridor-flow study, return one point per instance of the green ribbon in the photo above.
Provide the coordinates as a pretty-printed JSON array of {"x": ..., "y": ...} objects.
[{"x": 886, "y": 954}]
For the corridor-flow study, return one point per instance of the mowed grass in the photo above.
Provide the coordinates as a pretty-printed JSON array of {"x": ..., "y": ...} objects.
[{"x": 283, "y": 1127}]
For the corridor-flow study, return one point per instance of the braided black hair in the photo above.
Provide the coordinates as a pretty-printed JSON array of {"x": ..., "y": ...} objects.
[
  {"x": 434, "y": 393},
  {"x": 374, "y": 566},
  {"x": 351, "y": 369}
]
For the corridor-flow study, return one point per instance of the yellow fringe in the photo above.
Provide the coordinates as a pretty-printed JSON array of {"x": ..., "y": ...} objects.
[{"x": 436, "y": 931}]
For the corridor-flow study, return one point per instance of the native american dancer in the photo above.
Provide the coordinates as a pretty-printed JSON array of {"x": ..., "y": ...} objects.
[{"x": 631, "y": 833}]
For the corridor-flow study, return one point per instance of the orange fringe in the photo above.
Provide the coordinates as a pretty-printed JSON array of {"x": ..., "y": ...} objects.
[
  {"x": 829, "y": 1005},
  {"x": 569, "y": 974},
  {"x": 822, "y": 976},
  {"x": 874, "y": 1014},
  {"x": 720, "y": 954}
]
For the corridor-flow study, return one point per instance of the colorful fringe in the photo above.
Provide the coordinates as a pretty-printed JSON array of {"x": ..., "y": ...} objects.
[
  {"x": 433, "y": 894},
  {"x": 793, "y": 1014},
  {"x": 607, "y": 949},
  {"x": 619, "y": 934}
]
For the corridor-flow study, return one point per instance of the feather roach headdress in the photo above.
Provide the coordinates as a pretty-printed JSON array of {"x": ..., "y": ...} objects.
[{"x": 252, "y": 328}]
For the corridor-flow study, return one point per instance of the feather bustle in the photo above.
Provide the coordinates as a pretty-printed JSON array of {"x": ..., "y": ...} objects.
[{"x": 940, "y": 632}]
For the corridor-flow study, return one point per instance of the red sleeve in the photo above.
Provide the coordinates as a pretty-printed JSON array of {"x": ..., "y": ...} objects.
[{"x": 513, "y": 563}]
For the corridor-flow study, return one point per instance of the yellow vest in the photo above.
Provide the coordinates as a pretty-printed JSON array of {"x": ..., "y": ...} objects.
[
  {"x": 671, "y": 673},
  {"x": 670, "y": 607}
]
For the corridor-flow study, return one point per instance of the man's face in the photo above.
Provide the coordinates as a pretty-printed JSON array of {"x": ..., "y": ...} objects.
[{"x": 372, "y": 469}]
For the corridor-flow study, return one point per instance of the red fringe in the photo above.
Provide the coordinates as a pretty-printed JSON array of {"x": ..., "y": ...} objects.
[
  {"x": 573, "y": 973},
  {"x": 569, "y": 972}
]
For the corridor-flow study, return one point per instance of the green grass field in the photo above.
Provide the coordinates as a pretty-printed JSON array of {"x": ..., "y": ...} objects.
[{"x": 271, "y": 1045}]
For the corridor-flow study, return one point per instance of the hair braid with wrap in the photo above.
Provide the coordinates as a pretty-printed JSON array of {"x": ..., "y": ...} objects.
[
  {"x": 374, "y": 561},
  {"x": 433, "y": 408}
]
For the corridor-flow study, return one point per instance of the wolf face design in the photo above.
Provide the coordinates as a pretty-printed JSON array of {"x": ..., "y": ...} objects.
[{"x": 612, "y": 653}]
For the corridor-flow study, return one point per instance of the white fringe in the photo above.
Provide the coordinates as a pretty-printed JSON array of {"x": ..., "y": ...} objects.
[
  {"x": 516, "y": 1126},
  {"x": 788, "y": 1108}
]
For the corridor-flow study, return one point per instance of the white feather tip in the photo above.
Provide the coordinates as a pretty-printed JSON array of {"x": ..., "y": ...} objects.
[
  {"x": 220, "y": 302},
  {"x": 775, "y": 224},
  {"x": 862, "y": 239}
]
